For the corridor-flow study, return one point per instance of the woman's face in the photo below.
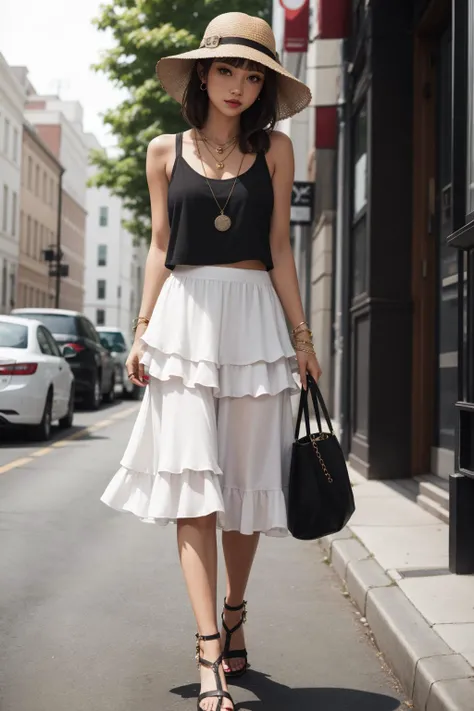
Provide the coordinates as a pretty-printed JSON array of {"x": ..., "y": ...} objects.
[{"x": 232, "y": 90}]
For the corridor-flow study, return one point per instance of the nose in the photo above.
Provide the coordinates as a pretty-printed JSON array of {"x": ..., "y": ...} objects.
[{"x": 237, "y": 91}]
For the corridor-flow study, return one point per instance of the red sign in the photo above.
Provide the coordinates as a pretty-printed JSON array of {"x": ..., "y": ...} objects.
[
  {"x": 326, "y": 127},
  {"x": 334, "y": 17},
  {"x": 296, "y": 25}
]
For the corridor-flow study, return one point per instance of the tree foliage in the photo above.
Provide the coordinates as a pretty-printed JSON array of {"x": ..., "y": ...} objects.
[{"x": 144, "y": 31}]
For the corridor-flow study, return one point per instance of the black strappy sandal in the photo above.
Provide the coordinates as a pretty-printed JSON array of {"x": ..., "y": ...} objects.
[
  {"x": 219, "y": 693},
  {"x": 236, "y": 653}
]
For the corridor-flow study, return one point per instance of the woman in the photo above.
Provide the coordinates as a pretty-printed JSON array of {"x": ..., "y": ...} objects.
[{"x": 212, "y": 440}]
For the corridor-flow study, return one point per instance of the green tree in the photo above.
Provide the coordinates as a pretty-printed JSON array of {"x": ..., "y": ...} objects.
[{"x": 143, "y": 32}]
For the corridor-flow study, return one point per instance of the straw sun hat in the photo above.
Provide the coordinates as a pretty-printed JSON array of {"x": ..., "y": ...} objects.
[{"x": 235, "y": 34}]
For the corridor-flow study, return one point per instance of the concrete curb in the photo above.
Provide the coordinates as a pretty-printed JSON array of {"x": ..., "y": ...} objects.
[{"x": 431, "y": 673}]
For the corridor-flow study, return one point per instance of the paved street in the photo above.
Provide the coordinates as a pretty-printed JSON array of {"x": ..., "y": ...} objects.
[{"x": 94, "y": 615}]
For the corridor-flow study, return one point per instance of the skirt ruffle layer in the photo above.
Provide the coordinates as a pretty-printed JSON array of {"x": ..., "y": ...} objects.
[{"x": 214, "y": 430}]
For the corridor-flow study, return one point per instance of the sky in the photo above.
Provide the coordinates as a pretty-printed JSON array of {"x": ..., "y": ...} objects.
[{"x": 57, "y": 42}]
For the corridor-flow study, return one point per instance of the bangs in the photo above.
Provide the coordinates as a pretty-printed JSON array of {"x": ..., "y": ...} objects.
[{"x": 239, "y": 63}]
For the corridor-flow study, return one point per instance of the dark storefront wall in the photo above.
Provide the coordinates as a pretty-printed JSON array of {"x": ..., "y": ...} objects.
[
  {"x": 403, "y": 275},
  {"x": 379, "y": 226},
  {"x": 409, "y": 371}
]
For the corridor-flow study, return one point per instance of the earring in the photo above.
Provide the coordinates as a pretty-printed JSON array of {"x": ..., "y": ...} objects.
[{"x": 203, "y": 86}]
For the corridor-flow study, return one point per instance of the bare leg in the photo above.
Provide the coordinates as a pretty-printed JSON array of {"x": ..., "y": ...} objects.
[
  {"x": 198, "y": 554},
  {"x": 239, "y": 554}
]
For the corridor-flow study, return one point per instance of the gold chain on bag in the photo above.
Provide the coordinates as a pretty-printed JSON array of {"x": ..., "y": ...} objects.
[{"x": 321, "y": 460}]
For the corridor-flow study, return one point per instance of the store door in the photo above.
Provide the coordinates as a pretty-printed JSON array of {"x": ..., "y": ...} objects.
[{"x": 442, "y": 451}]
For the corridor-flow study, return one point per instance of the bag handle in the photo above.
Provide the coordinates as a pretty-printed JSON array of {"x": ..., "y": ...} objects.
[{"x": 317, "y": 399}]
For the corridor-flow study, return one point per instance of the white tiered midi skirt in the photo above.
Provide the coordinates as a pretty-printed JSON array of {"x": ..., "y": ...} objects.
[{"x": 214, "y": 430}]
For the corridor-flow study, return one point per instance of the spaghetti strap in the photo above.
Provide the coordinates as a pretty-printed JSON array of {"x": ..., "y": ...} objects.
[{"x": 178, "y": 153}]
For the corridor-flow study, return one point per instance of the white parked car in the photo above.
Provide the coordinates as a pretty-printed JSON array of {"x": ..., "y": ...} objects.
[
  {"x": 36, "y": 382},
  {"x": 118, "y": 345}
]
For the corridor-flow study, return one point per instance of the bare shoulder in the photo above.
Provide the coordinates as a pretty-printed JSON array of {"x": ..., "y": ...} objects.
[
  {"x": 161, "y": 154},
  {"x": 280, "y": 144},
  {"x": 161, "y": 146},
  {"x": 280, "y": 155}
]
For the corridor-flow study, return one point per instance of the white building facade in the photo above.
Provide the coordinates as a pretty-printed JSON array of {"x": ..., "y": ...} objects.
[
  {"x": 320, "y": 68},
  {"x": 114, "y": 265},
  {"x": 12, "y": 102}
]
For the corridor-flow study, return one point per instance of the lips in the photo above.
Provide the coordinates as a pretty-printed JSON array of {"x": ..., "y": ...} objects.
[{"x": 233, "y": 103}]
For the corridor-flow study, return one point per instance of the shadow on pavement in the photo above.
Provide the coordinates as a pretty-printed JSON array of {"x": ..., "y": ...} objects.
[{"x": 278, "y": 697}]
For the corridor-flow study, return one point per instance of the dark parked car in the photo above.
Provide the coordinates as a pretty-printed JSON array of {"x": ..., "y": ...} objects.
[{"x": 92, "y": 365}]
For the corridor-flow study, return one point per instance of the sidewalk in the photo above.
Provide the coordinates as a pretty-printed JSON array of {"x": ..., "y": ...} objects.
[{"x": 393, "y": 557}]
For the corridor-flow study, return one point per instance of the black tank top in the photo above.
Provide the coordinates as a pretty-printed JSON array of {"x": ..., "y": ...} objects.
[{"x": 194, "y": 240}]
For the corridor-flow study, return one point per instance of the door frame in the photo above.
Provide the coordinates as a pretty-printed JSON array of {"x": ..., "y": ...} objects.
[{"x": 424, "y": 243}]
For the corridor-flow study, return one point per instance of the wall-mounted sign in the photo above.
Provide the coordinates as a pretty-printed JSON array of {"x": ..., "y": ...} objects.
[
  {"x": 296, "y": 25},
  {"x": 334, "y": 18},
  {"x": 302, "y": 198}
]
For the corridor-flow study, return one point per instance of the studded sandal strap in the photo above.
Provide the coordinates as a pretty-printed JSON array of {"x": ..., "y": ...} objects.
[
  {"x": 234, "y": 609},
  {"x": 221, "y": 695},
  {"x": 236, "y": 654},
  {"x": 230, "y": 631}
]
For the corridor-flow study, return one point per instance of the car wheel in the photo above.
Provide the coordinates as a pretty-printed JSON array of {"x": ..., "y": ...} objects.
[
  {"x": 110, "y": 396},
  {"x": 66, "y": 422},
  {"x": 42, "y": 432},
  {"x": 94, "y": 396}
]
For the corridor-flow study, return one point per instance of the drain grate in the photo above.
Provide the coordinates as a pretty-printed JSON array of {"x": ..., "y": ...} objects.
[{"x": 422, "y": 572}]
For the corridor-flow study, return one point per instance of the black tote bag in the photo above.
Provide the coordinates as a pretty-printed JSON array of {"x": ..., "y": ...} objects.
[{"x": 320, "y": 498}]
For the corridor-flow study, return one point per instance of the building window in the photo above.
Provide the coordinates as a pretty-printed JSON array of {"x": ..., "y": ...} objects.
[
  {"x": 12, "y": 288},
  {"x": 6, "y": 137},
  {"x": 4, "y": 283},
  {"x": 45, "y": 187},
  {"x": 37, "y": 180},
  {"x": 35, "y": 240},
  {"x": 100, "y": 317},
  {"x": 28, "y": 235},
  {"x": 101, "y": 288},
  {"x": 5, "y": 208},
  {"x": 103, "y": 216},
  {"x": 51, "y": 199},
  {"x": 102, "y": 255},
  {"x": 470, "y": 93},
  {"x": 359, "y": 201},
  {"x": 30, "y": 173},
  {"x": 15, "y": 145},
  {"x": 14, "y": 209}
]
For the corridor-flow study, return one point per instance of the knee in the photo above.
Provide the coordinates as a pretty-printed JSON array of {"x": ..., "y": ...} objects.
[{"x": 200, "y": 523}]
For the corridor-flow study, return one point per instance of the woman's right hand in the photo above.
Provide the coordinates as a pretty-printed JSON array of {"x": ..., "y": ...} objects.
[{"x": 135, "y": 369}]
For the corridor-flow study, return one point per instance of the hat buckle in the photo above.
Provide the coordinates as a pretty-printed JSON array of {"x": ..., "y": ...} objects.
[{"x": 211, "y": 42}]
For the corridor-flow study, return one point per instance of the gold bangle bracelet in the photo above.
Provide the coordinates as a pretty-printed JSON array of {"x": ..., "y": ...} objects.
[
  {"x": 305, "y": 350},
  {"x": 303, "y": 323}
]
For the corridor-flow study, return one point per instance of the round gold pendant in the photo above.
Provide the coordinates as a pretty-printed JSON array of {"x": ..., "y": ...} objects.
[
  {"x": 222, "y": 223},
  {"x": 220, "y": 166}
]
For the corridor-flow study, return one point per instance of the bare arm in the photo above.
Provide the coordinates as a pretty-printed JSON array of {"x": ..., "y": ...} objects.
[
  {"x": 283, "y": 275},
  {"x": 155, "y": 271}
]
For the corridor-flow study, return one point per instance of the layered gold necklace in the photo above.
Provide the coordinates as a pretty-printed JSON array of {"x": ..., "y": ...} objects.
[
  {"x": 222, "y": 221},
  {"x": 219, "y": 148}
]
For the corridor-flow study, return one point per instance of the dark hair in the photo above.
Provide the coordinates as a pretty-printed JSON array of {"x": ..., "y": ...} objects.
[{"x": 256, "y": 122}]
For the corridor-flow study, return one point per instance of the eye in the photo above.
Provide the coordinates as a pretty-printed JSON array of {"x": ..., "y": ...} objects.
[
  {"x": 224, "y": 71},
  {"x": 255, "y": 78}
]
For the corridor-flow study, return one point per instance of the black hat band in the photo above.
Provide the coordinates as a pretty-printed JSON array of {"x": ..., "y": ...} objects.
[{"x": 215, "y": 41}]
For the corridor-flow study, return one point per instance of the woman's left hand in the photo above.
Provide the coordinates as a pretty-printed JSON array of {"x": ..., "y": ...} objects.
[{"x": 308, "y": 363}]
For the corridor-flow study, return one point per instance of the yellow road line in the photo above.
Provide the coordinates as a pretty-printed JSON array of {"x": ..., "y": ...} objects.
[
  {"x": 66, "y": 440},
  {"x": 41, "y": 452},
  {"x": 99, "y": 425},
  {"x": 126, "y": 412},
  {"x": 13, "y": 465}
]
